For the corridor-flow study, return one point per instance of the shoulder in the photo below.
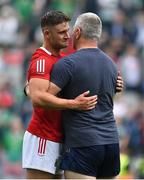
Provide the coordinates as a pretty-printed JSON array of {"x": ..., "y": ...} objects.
[
  {"x": 40, "y": 56},
  {"x": 107, "y": 58},
  {"x": 41, "y": 62},
  {"x": 65, "y": 64},
  {"x": 66, "y": 60},
  {"x": 69, "y": 58}
]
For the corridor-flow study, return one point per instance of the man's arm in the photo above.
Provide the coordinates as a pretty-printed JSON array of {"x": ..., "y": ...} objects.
[
  {"x": 43, "y": 93},
  {"x": 119, "y": 86},
  {"x": 45, "y": 99}
]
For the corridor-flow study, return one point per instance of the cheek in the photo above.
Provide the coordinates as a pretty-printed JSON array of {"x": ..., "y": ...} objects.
[
  {"x": 61, "y": 39},
  {"x": 58, "y": 37},
  {"x": 55, "y": 39}
]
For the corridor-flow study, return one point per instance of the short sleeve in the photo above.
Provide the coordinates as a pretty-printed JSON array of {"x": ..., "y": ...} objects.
[
  {"x": 62, "y": 72},
  {"x": 40, "y": 68}
]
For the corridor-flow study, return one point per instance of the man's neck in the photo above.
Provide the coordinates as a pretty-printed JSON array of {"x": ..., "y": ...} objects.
[
  {"x": 55, "y": 52},
  {"x": 85, "y": 44}
]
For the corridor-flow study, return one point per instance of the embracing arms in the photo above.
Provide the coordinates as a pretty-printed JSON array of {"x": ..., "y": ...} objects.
[{"x": 43, "y": 93}]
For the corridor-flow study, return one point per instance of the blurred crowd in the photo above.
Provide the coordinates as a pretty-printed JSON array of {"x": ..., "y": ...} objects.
[{"x": 122, "y": 39}]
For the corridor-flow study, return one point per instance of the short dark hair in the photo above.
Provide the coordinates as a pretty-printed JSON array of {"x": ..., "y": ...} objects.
[{"x": 53, "y": 17}]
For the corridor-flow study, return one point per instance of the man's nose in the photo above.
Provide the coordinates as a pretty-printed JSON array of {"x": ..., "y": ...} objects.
[{"x": 67, "y": 36}]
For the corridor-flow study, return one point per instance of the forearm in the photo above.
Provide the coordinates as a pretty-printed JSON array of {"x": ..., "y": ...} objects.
[{"x": 47, "y": 100}]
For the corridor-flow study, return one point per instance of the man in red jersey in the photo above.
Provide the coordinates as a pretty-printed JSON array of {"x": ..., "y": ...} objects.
[{"x": 42, "y": 139}]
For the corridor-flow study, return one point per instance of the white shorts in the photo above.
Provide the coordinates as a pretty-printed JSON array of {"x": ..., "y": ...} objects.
[{"x": 40, "y": 154}]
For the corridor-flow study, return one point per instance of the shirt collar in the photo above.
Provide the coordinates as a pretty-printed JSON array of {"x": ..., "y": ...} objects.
[{"x": 44, "y": 49}]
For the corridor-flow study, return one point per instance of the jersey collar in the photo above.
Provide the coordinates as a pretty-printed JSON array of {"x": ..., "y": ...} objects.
[{"x": 44, "y": 49}]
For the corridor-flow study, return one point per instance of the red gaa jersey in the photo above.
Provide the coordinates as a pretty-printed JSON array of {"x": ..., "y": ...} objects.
[{"x": 44, "y": 123}]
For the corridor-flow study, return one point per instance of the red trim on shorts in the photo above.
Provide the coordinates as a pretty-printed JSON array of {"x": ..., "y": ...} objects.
[{"x": 42, "y": 146}]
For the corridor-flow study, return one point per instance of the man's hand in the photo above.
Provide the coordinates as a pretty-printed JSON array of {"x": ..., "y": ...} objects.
[
  {"x": 83, "y": 102},
  {"x": 119, "y": 85}
]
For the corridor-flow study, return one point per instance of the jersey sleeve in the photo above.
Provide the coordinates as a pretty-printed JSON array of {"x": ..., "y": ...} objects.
[
  {"x": 62, "y": 72},
  {"x": 40, "y": 68}
]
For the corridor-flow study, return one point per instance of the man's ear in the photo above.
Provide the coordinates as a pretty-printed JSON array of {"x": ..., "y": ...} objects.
[
  {"x": 46, "y": 32},
  {"x": 77, "y": 33}
]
